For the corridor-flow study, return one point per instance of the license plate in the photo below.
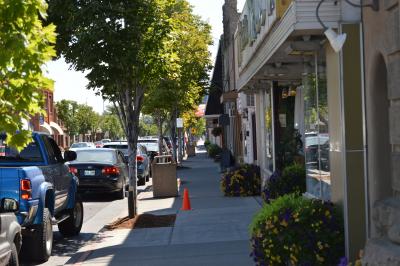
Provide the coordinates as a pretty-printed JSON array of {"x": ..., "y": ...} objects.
[{"x": 90, "y": 172}]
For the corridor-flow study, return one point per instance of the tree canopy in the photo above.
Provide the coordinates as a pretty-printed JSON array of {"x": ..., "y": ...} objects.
[{"x": 25, "y": 46}]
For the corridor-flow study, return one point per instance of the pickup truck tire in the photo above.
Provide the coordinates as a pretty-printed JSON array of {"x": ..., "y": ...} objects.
[
  {"x": 73, "y": 224},
  {"x": 14, "y": 256},
  {"x": 141, "y": 181},
  {"x": 38, "y": 246}
]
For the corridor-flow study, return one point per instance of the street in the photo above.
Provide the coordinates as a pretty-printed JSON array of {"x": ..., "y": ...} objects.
[{"x": 99, "y": 210}]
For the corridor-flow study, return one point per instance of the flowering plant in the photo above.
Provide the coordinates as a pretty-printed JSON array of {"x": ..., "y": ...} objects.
[
  {"x": 293, "y": 230},
  {"x": 292, "y": 180},
  {"x": 242, "y": 181}
]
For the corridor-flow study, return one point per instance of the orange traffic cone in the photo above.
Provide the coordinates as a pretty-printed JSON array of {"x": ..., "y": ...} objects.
[{"x": 186, "y": 201}]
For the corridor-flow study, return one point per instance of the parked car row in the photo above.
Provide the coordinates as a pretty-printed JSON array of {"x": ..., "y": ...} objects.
[
  {"x": 31, "y": 204},
  {"x": 37, "y": 190}
]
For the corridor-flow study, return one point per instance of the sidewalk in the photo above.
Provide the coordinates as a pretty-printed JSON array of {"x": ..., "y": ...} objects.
[{"x": 215, "y": 232}]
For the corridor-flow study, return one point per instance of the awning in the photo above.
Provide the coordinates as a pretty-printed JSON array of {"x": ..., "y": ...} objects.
[
  {"x": 57, "y": 128},
  {"x": 46, "y": 128}
]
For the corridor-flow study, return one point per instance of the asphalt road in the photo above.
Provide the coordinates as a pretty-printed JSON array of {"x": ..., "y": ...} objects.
[{"x": 99, "y": 210}]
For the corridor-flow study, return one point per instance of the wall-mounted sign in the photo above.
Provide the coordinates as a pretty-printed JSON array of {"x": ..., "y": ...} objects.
[{"x": 179, "y": 123}]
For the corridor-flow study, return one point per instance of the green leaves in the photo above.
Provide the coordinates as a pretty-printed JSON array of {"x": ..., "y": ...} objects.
[{"x": 25, "y": 46}]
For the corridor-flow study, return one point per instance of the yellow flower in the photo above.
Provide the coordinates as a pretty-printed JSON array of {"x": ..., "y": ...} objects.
[
  {"x": 327, "y": 213},
  {"x": 275, "y": 231},
  {"x": 319, "y": 258},
  {"x": 284, "y": 223},
  {"x": 285, "y": 247},
  {"x": 320, "y": 246}
]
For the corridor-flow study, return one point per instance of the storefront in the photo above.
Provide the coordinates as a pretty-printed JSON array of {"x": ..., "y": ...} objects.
[{"x": 308, "y": 100}]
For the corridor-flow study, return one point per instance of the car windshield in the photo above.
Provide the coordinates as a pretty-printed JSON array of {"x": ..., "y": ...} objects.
[
  {"x": 97, "y": 156},
  {"x": 30, "y": 153},
  {"x": 312, "y": 141},
  {"x": 150, "y": 146},
  {"x": 147, "y": 140},
  {"x": 79, "y": 145},
  {"x": 121, "y": 147}
]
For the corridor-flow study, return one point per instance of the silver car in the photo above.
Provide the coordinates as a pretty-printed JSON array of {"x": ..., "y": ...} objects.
[{"x": 10, "y": 234}]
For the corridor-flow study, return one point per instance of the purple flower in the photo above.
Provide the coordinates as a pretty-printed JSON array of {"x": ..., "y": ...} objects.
[{"x": 343, "y": 261}]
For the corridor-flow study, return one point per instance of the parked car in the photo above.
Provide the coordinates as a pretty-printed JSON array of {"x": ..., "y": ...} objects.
[
  {"x": 100, "y": 170},
  {"x": 82, "y": 145},
  {"x": 142, "y": 159},
  {"x": 152, "y": 147},
  {"x": 317, "y": 152},
  {"x": 39, "y": 180},
  {"x": 10, "y": 233}
]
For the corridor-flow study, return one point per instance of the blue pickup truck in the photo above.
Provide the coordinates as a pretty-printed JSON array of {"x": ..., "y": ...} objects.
[{"x": 40, "y": 181}]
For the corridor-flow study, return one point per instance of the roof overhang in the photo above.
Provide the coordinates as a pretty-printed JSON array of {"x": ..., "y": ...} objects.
[
  {"x": 45, "y": 127},
  {"x": 57, "y": 128},
  {"x": 279, "y": 43}
]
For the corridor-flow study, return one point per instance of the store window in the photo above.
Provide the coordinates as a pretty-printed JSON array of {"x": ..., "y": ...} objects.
[
  {"x": 316, "y": 132},
  {"x": 268, "y": 130}
]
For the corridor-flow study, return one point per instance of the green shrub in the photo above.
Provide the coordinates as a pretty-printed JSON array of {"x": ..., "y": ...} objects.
[
  {"x": 242, "y": 181},
  {"x": 206, "y": 143},
  {"x": 292, "y": 180},
  {"x": 216, "y": 131},
  {"x": 293, "y": 230},
  {"x": 213, "y": 150}
]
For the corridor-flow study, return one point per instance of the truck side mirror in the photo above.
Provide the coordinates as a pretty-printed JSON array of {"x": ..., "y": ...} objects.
[
  {"x": 9, "y": 205},
  {"x": 69, "y": 156}
]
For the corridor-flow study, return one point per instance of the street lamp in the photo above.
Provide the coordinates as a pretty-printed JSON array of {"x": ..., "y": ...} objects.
[{"x": 337, "y": 40}]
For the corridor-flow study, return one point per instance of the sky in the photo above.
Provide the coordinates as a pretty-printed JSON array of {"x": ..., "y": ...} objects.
[{"x": 71, "y": 85}]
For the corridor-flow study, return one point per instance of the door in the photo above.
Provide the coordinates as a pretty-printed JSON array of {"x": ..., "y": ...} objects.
[
  {"x": 60, "y": 173},
  {"x": 5, "y": 247}
]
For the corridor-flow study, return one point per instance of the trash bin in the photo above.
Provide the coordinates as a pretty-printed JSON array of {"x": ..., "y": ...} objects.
[
  {"x": 191, "y": 150},
  {"x": 164, "y": 177}
]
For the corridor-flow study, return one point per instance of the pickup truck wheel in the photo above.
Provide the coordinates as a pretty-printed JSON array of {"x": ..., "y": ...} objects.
[
  {"x": 14, "y": 256},
  {"x": 73, "y": 224},
  {"x": 38, "y": 246}
]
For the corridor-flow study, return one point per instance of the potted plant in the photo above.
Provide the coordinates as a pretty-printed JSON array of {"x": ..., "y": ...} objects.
[
  {"x": 242, "y": 181},
  {"x": 293, "y": 230},
  {"x": 291, "y": 180}
]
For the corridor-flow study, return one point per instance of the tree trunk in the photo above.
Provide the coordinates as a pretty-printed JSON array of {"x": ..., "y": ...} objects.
[{"x": 173, "y": 135}]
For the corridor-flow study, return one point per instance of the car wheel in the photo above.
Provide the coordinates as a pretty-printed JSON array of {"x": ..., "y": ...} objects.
[
  {"x": 141, "y": 181},
  {"x": 14, "y": 256},
  {"x": 121, "y": 193},
  {"x": 38, "y": 246},
  {"x": 73, "y": 224}
]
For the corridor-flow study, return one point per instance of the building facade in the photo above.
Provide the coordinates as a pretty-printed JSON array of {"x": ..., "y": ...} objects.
[
  {"x": 301, "y": 101},
  {"x": 49, "y": 122},
  {"x": 382, "y": 96}
]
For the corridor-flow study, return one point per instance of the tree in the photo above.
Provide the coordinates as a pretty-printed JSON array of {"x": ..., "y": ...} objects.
[
  {"x": 25, "y": 46},
  {"x": 66, "y": 111},
  {"x": 86, "y": 119},
  {"x": 120, "y": 44},
  {"x": 183, "y": 86},
  {"x": 110, "y": 123}
]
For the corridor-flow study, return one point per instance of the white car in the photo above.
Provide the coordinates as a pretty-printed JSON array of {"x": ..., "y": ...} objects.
[
  {"x": 10, "y": 233},
  {"x": 82, "y": 145}
]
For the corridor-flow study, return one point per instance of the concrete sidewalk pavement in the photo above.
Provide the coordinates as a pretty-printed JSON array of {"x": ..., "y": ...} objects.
[{"x": 215, "y": 232}]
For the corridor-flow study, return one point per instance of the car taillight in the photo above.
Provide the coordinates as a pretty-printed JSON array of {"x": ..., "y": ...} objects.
[
  {"x": 110, "y": 170},
  {"x": 73, "y": 170},
  {"x": 139, "y": 158},
  {"x": 26, "y": 189}
]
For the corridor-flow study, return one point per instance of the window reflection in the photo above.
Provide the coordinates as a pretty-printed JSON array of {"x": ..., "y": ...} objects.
[{"x": 316, "y": 127}]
